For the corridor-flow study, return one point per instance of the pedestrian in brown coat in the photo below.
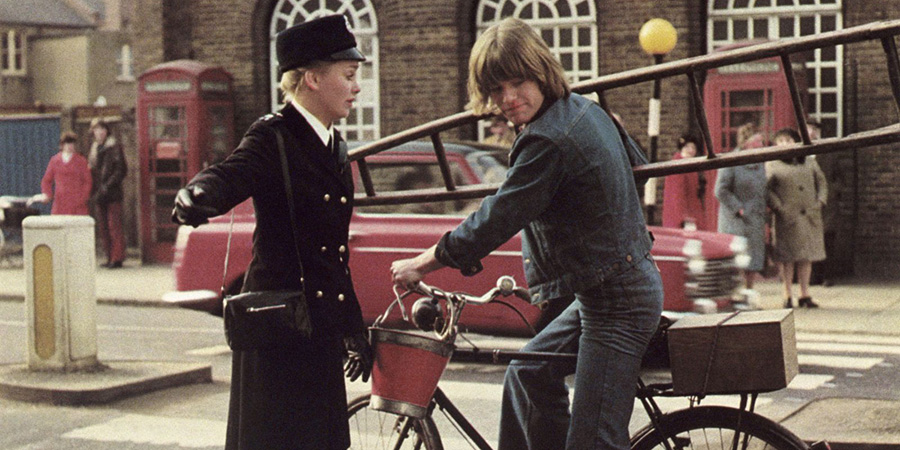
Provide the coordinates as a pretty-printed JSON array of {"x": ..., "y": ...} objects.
[{"x": 797, "y": 192}]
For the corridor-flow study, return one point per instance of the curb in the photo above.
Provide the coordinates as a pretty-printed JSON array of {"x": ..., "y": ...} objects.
[
  {"x": 105, "y": 301},
  {"x": 117, "y": 380}
]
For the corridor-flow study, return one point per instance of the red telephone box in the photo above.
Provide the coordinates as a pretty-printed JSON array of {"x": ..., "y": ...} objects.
[
  {"x": 754, "y": 91},
  {"x": 185, "y": 121}
]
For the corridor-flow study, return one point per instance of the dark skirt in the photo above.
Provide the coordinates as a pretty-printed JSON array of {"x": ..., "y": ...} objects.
[{"x": 288, "y": 399}]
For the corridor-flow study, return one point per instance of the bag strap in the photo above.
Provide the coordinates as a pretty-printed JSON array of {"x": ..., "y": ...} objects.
[{"x": 290, "y": 199}]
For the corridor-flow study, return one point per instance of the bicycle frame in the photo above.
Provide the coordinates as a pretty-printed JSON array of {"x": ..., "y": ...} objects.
[
  {"x": 666, "y": 429},
  {"x": 646, "y": 394}
]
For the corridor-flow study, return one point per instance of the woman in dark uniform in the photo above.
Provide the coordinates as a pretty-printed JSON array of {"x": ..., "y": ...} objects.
[{"x": 293, "y": 397}]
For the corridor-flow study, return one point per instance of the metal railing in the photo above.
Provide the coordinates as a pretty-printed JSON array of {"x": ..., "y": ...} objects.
[{"x": 884, "y": 31}]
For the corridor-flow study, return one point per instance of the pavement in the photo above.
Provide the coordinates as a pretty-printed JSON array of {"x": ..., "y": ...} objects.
[{"x": 852, "y": 307}]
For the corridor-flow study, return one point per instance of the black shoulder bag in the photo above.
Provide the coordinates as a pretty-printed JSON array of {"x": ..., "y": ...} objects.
[{"x": 265, "y": 320}]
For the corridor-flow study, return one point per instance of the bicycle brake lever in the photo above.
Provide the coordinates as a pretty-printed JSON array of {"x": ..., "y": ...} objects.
[{"x": 522, "y": 293}]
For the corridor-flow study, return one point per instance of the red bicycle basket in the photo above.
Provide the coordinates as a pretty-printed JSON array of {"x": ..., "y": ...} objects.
[{"x": 406, "y": 371}]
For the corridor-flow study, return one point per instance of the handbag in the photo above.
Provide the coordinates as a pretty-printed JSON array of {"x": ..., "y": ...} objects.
[{"x": 265, "y": 320}]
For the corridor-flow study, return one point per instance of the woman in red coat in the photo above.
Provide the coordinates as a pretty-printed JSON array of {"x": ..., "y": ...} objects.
[
  {"x": 684, "y": 195},
  {"x": 67, "y": 180}
]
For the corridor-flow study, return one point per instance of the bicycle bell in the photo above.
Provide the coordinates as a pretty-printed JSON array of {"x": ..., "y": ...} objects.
[{"x": 427, "y": 314}]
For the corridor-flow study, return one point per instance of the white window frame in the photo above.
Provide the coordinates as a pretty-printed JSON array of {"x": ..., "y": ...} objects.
[
  {"x": 125, "y": 62},
  {"x": 581, "y": 17},
  {"x": 365, "y": 117},
  {"x": 724, "y": 11},
  {"x": 9, "y": 53}
]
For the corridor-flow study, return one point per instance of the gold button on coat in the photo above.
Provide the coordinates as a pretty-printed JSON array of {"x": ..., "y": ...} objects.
[
  {"x": 341, "y": 297},
  {"x": 327, "y": 197},
  {"x": 319, "y": 294},
  {"x": 343, "y": 199},
  {"x": 324, "y": 249},
  {"x": 342, "y": 249}
]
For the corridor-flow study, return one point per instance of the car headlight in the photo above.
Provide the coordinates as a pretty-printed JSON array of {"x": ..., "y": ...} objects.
[
  {"x": 705, "y": 306},
  {"x": 739, "y": 244},
  {"x": 696, "y": 265},
  {"x": 693, "y": 248}
]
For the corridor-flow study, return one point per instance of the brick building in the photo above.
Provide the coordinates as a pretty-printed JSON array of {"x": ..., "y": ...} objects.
[{"x": 418, "y": 51}]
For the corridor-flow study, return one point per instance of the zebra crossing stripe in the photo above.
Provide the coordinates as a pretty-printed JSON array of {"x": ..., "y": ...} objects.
[
  {"x": 809, "y": 382},
  {"x": 154, "y": 430},
  {"x": 848, "y": 348},
  {"x": 839, "y": 362},
  {"x": 849, "y": 338}
]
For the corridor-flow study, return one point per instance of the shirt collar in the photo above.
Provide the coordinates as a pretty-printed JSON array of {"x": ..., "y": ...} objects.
[{"x": 321, "y": 130}]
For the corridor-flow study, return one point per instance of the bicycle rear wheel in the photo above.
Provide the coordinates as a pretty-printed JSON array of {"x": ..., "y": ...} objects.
[
  {"x": 371, "y": 429},
  {"x": 713, "y": 427}
]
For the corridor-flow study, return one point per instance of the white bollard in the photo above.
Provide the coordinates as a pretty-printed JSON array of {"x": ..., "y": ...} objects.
[{"x": 60, "y": 292}]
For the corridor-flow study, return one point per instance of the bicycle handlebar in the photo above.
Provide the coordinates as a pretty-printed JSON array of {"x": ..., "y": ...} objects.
[{"x": 506, "y": 286}]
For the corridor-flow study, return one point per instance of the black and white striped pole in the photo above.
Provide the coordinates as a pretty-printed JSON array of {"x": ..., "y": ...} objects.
[{"x": 657, "y": 38}]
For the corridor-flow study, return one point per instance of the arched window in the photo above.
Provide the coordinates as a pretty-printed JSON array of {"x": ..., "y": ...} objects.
[
  {"x": 569, "y": 27},
  {"x": 733, "y": 21},
  {"x": 365, "y": 118}
]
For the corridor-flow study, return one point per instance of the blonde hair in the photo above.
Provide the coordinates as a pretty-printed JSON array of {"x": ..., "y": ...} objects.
[
  {"x": 292, "y": 81},
  {"x": 512, "y": 50},
  {"x": 744, "y": 132}
]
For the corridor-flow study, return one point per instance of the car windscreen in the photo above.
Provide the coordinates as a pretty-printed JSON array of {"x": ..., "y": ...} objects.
[{"x": 405, "y": 172}]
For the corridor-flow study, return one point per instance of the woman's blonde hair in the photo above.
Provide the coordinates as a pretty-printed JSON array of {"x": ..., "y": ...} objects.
[
  {"x": 291, "y": 81},
  {"x": 512, "y": 50},
  {"x": 744, "y": 132}
]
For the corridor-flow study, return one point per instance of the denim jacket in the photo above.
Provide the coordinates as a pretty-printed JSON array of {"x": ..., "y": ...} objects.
[{"x": 571, "y": 191}]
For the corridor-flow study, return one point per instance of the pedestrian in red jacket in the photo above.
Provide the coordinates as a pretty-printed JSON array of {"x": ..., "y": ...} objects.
[
  {"x": 685, "y": 198},
  {"x": 67, "y": 180}
]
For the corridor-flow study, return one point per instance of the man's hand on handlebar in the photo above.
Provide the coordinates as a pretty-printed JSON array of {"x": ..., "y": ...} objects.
[{"x": 405, "y": 273}]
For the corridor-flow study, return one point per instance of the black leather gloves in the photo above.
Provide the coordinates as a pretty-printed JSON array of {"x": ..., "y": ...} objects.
[
  {"x": 359, "y": 357},
  {"x": 194, "y": 206}
]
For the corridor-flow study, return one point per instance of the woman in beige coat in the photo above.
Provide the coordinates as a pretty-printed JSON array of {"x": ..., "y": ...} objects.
[{"x": 796, "y": 193}]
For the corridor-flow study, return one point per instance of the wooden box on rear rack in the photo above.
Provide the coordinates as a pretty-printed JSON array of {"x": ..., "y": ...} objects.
[{"x": 751, "y": 351}]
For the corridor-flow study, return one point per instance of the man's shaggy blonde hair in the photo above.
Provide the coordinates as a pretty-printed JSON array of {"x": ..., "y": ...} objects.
[{"x": 507, "y": 51}]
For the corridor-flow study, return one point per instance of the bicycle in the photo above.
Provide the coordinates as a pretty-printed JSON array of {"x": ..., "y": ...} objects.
[
  {"x": 703, "y": 427},
  {"x": 13, "y": 210}
]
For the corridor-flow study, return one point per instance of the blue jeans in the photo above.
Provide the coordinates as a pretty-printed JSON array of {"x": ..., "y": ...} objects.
[{"x": 609, "y": 327}]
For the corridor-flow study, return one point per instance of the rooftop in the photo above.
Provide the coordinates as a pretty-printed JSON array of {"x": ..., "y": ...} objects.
[{"x": 54, "y": 13}]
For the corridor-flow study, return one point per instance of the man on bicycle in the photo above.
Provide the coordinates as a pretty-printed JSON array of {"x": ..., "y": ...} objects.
[{"x": 571, "y": 192}]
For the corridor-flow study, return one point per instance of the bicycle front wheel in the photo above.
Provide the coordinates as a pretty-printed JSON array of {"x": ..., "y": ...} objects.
[
  {"x": 714, "y": 427},
  {"x": 376, "y": 430}
]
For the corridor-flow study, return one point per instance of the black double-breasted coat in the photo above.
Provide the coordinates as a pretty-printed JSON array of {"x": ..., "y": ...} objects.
[{"x": 293, "y": 397}]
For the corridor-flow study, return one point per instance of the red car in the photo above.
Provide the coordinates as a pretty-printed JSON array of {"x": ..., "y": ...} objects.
[{"x": 700, "y": 270}]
